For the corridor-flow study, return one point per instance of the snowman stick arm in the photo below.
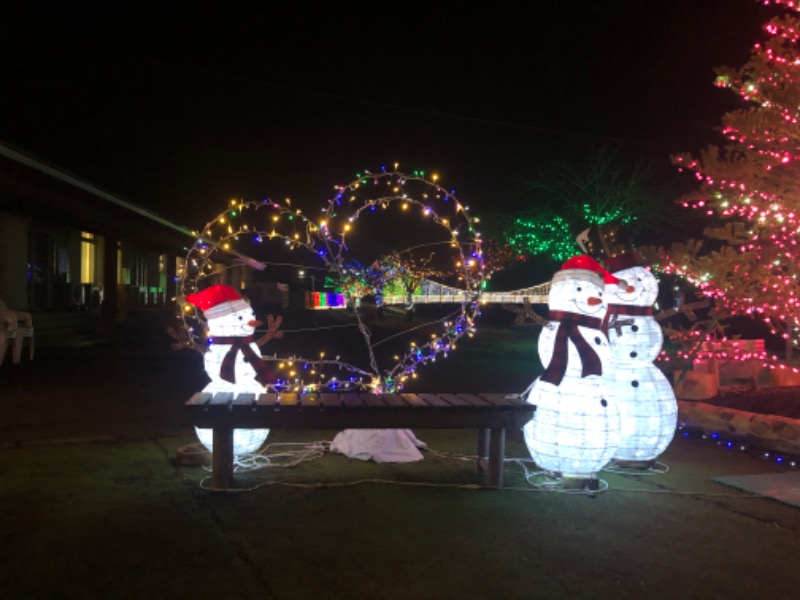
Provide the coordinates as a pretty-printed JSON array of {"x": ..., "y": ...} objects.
[{"x": 273, "y": 324}]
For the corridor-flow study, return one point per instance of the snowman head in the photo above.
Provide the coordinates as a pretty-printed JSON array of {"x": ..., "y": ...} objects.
[
  {"x": 227, "y": 312},
  {"x": 238, "y": 324},
  {"x": 578, "y": 287},
  {"x": 642, "y": 288}
]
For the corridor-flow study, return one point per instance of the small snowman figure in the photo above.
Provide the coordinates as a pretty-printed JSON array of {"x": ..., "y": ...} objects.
[
  {"x": 233, "y": 360},
  {"x": 576, "y": 427},
  {"x": 646, "y": 400}
]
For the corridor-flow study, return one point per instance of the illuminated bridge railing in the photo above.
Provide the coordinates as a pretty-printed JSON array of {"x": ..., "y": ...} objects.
[
  {"x": 518, "y": 297},
  {"x": 437, "y": 293}
]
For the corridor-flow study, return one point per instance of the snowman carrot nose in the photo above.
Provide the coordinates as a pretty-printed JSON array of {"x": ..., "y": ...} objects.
[
  {"x": 254, "y": 323},
  {"x": 625, "y": 287},
  {"x": 593, "y": 301}
]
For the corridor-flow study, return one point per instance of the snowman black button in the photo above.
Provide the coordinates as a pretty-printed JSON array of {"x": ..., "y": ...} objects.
[
  {"x": 635, "y": 383},
  {"x": 634, "y": 354},
  {"x": 603, "y": 402},
  {"x": 598, "y": 341}
]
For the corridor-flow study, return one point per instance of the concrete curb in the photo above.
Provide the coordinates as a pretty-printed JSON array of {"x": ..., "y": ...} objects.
[{"x": 781, "y": 434}]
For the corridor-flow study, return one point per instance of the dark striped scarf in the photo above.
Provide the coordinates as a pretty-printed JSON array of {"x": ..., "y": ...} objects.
[
  {"x": 568, "y": 330},
  {"x": 228, "y": 369}
]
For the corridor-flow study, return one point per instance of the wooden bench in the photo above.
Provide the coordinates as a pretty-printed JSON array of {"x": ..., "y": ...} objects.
[{"x": 489, "y": 414}]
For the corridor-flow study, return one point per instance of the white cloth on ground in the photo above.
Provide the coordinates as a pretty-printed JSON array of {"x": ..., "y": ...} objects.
[{"x": 380, "y": 445}]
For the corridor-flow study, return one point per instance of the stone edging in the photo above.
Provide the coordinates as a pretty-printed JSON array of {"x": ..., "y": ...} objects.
[{"x": 771, "y": 432}]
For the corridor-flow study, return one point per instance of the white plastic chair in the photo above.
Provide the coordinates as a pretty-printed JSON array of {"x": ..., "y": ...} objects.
[
  {"x": 17, "y": 325},
  {"x": 4, "y": 340}
]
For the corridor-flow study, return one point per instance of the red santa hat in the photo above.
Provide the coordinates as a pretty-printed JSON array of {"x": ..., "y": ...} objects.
[
  {"x": 584, "y": 268},
  {"x": 218, "y": 300}
]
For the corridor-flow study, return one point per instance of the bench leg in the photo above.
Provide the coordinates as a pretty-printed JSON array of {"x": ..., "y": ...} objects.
[
  {"x": 222, "y": 458},
  {"x": 497, "y": 451},
  {"x": 483, "y": 451}
]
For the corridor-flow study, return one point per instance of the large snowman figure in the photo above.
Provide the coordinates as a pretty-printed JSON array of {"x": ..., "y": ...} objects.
[
  {"x": 647, "y": 403},
  {"x": 233, "y": 360},
  {"x": 575, "y": 429}
]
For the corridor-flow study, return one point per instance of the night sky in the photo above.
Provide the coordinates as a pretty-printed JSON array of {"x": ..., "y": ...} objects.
[{"x": 180, "y": 106}]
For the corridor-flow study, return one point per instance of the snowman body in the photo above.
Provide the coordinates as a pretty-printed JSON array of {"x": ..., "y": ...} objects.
[
  {"x": 647, "y": 404},
  {"x": 238, "y": 324},
  {"x": 576, "y": 426},
  {"x": 633, "y": 334}
]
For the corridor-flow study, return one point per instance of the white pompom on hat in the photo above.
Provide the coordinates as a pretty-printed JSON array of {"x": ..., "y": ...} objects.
[{"x": 218, "y": 301}]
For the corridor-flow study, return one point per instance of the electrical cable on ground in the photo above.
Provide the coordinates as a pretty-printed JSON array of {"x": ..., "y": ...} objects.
[
  {"x": 657, "y": 468},
  {"x": 315, "y": 450}
]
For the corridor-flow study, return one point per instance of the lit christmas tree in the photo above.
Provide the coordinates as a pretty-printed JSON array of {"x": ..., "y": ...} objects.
[
  {"x": 408, "y": 272},
  {"x": 749, "y": 190}
]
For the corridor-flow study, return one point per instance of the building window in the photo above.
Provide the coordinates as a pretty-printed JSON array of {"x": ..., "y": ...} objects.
[{"x": 88, "y": 257}]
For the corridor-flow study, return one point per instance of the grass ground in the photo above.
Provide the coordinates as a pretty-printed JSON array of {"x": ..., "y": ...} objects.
[
  {"x": 94, "y": 503},
  {"x": 126, "y": 520}
]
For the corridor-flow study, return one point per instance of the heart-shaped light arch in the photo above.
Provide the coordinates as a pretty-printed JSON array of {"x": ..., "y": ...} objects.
[
  {"x": 409, "y": 192},
  {"x": 220, "y": 242},
  {"x": 234, "y": 232}
]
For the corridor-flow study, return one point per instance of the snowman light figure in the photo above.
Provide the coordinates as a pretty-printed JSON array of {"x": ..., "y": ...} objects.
[
  {"x": 576, "y": 427},
  {"x": 233, "y": 360},
  {"x": 646, "y": 400}
]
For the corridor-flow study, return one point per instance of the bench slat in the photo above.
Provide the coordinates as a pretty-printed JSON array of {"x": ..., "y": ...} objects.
[
  {"x": 268, "y": 400},
  {"x": 414, "y": 400},
  {"x": 246, "y": 399},
  {"x": 221, "y": 399},
  {"x": 474, "y": 400},
  {"x": 504, "y": 399},
  {"x": 200, "y": 399},
  {"x": 394, "y": 400},
  {"x": 310, "y": 401},
  {"x": 433, "y": 400},
  {"x": 351, "y": 400},
  {"x": 288, "y": 402},
  {"x": 373, "y": 400},
  {"x": 455, "y": 400},
  {"x": 331, "y": 400}
]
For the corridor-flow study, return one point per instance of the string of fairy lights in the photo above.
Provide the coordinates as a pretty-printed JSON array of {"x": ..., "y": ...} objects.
[{"x": 247, "y": 230}]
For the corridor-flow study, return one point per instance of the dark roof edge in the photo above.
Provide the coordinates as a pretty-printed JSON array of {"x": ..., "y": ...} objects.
[{"x": 73, "y": 181}]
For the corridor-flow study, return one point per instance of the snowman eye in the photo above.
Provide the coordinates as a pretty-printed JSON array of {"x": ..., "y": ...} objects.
[
  {"x": 579, "y": 289},
  {"x": 240, "y": 317}
]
